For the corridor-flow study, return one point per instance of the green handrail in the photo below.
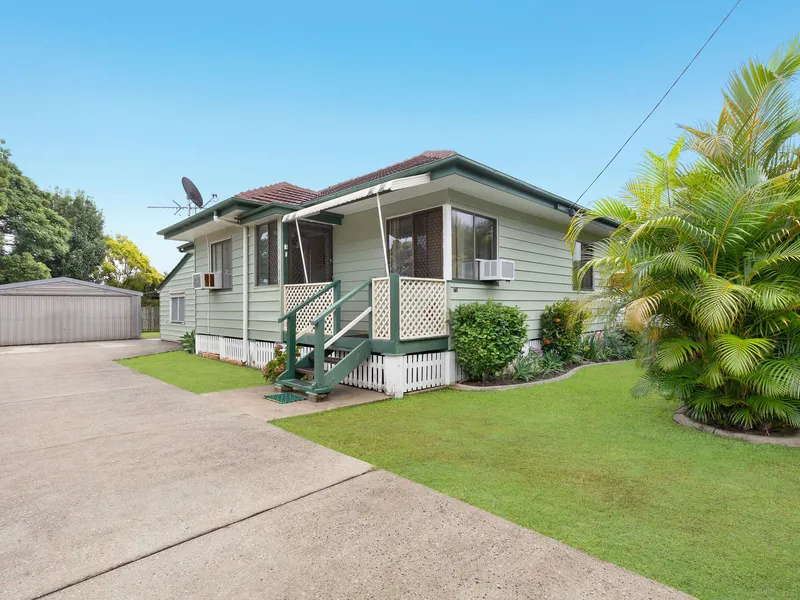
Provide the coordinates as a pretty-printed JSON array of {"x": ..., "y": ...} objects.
[
  {"x": 309, "y": 300},
  {"x": 321, "y": 316}
]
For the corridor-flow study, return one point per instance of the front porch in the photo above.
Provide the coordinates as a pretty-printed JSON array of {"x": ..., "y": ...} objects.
[{"x": 400, "y": 316}]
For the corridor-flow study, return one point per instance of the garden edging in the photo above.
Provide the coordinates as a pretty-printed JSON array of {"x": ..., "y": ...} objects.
[
  {"x": 791, "y": 441},
  {"x": 499, "y": 388}
]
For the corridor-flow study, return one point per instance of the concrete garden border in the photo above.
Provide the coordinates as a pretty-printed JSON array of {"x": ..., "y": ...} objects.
[
  {"x": 499, "y": 388},
  {"x": 792, "y": 441}
]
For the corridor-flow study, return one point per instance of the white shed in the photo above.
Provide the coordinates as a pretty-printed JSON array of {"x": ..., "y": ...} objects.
[{"x": 51, "y": 311}]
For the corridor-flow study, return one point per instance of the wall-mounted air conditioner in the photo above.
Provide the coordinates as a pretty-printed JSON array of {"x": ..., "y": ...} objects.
[
  {"x": 495, "y": 270},
  {"x": 207, "y": 281}
]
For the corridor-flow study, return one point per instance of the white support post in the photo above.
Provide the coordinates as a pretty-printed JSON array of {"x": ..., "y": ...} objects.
[
  {"x": 383, "y": 233},
  {"x": 245, "y": 298},
  {"x": 394, "y": 376},
  {"x": 302, "y": 254},
  {"x": 449, "y": 367},
  {"x": 447, "y": 242}
]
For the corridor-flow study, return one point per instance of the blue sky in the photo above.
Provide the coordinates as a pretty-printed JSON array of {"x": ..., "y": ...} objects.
[{"x": 123, "y": 99}]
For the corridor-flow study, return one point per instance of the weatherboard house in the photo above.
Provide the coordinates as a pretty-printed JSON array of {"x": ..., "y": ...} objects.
[{"x": 360, "y": 276}]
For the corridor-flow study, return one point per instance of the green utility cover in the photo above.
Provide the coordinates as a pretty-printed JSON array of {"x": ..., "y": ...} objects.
[{"x": 284, "y": 398}]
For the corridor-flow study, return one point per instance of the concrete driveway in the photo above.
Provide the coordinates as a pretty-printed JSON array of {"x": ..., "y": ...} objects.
[{"x": 116, "y": 485}]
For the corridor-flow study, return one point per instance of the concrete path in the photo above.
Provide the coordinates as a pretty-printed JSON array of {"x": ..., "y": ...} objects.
[{"x": 116, "y": 485}]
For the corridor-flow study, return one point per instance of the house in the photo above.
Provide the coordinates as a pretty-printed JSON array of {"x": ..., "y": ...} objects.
[{"x": 363, "y": 273}]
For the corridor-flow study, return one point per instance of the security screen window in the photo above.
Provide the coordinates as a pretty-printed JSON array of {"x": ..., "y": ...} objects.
[
  {"x": 221, "y": 261},
  {"x": 177, "y": 309},
  {"x": 267, "y": 257},
  {"x": 474, "y": 238},
  {"x": 582, "y": 255},
  {"x": 414, "y": 244}
]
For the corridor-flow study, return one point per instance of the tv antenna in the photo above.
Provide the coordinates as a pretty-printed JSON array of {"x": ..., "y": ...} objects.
[{"x": 193, "y": 196}]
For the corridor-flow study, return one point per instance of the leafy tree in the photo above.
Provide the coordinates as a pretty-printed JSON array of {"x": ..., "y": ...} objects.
[
  {"x": 28, "y": 224},
  {"x": 87, "y": 244},
  {"x": 125, "y": 266},
  {"x": 21, "y": 267},
  {"x": 706, "y": 260}
]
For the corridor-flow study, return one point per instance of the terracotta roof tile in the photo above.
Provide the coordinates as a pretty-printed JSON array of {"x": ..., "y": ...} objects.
[
  {"x": 284, "y": 192},
  {"x": 420, "y": 159},
  {"x": 287, "y": 193}
]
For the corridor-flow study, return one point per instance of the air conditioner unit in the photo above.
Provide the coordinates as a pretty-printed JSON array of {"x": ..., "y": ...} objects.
[
  {"x": 207, "y": 281},
  {"x": 495, "y": 270}
]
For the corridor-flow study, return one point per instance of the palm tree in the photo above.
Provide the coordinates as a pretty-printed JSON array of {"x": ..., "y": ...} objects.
[{"x": 706, "y": 259}]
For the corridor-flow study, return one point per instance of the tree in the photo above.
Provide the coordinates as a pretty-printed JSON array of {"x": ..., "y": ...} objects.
[
  {"x": 706, "y": 259},
  {"x": 125, "y": 266},
  {"x": 28, "y": 224},
  {"x": 21, "y": 267},
  {"x": 87, "y": 244}
]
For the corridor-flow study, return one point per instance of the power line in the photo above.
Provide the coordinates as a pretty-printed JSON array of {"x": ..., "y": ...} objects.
[{"x": 674, "y": 83}]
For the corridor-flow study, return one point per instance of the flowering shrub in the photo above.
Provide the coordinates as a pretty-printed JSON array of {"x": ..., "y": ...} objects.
[
  {"x": 562, "y": 327},
  {"x": 277, "y": 365}
]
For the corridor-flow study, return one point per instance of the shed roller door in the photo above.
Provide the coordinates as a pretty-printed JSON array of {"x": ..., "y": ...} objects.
[{"x": 56, "y": 319}]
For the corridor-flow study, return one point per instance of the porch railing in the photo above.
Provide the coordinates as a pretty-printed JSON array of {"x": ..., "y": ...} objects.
[
  {"x": 296, "y": 294},
  {"x": 408, "y": 308}
]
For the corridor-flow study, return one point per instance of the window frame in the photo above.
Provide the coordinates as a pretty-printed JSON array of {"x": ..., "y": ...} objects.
[
  {"x": 273, "y": 279},
  {"x": 585, "y": 247},
  {"x": 495, "y": 245},
  {"x": 227, "y": 240},
  {"x": 386, "y": 221},
  {"x": 181, "y": 298}
]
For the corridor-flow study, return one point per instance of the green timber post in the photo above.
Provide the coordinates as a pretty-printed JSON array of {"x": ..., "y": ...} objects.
[
  {"x": 319, "y": 353},
  {"x": 337, "y": 314},
  {"x": 291, "y": 345},
  {"x": 394, "y": 307}
]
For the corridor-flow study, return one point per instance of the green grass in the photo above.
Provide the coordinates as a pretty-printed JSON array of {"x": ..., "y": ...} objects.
[
  {"x": 194, "y": 373},
  {"x": 151, "y": 334},
  {"x": 583, "y": 462}
]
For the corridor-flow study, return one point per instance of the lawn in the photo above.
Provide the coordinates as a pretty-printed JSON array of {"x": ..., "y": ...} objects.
[
  {"x": 194, "y": 373},
  {"x": 151, "y": 334},
  {"x": 583, "y": 462}
]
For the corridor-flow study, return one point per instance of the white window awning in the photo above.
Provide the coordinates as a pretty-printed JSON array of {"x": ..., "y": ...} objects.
[{"x": 381, "y": 188}]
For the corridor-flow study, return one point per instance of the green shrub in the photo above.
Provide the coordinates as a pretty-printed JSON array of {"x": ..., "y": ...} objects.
[
  {"x": 487, "y": 337},
  {"x": 562, "y": 327},
  {"x": 188, "y": 342},
  {"x": 615, "y": 343}
]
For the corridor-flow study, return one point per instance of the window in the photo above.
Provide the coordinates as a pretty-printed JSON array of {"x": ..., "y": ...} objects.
[
  {"x": 474, "y": 238},
  {"x": 414, "y": 244},
  {"x": 317, "y": 249},
  {"x": 267, "y": 254},
  {"x": 177, "y": 306},
  {"x": 221, "y": 262},
  {"x": 582, "y": 254}
]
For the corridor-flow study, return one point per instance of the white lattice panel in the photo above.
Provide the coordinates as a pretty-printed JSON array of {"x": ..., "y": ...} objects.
[
  {"x": 423, "y": 308},
  {"x": 381, "y": 307},
  {"x": 296, "y": 294}
]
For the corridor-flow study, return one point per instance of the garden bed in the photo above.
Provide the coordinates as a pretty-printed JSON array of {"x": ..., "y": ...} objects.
[
  {"x": 511, "y": 384},
  {"x": 780, "y": 438}
]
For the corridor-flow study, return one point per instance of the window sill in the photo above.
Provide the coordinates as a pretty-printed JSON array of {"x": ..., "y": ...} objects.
[{"x": 474, "y": 282}]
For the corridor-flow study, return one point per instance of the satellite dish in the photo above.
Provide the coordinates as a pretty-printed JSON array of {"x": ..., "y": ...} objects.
[{"x": 192, "y": 193}]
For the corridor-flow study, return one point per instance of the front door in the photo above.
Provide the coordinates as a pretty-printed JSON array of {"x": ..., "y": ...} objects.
[{"x": 317, "y": 241}]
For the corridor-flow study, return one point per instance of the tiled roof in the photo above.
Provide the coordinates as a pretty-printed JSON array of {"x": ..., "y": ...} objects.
[
  {"x": 420, "y": 159},
  {"x": 284, "y": 192},
  {"x": 288, "y": 193}
]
